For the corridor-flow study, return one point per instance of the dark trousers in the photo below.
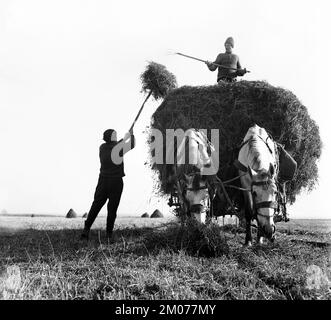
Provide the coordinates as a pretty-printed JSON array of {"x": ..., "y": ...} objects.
[{"x": 107, "y": 189}]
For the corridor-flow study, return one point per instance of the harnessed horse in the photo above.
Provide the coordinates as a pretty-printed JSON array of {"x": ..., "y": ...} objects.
[
  {"x": 193, "y": 160},
  {"x": 258, "y": 168}
]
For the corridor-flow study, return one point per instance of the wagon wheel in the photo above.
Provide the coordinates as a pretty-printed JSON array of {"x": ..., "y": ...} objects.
[
  {"x": 282, "y": 202},
  {"x": 281, "y": 212}
]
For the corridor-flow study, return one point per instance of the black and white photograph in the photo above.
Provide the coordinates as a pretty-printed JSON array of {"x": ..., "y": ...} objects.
[{"x": 165, "y": 156}]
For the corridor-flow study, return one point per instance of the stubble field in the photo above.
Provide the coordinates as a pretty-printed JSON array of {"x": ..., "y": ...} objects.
[{"x": 43, "y": 258}]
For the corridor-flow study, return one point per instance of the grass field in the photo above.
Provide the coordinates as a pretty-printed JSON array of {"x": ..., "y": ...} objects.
[{"x": 43, "y": 258}]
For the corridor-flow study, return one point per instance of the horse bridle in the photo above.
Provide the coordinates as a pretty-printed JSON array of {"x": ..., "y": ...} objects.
[
  {"x": 184, "y": 189},
  {"x": 196, "y": 189},
  {"x": 262, "y": 204}
]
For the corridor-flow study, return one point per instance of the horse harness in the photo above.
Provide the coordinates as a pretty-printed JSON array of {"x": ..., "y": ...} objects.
[
  {"x": 263, "y": 204},
  {"x": 181, "y": 191}
]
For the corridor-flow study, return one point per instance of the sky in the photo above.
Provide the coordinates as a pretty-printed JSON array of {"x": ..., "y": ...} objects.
[{"x": 69, "y": 69}]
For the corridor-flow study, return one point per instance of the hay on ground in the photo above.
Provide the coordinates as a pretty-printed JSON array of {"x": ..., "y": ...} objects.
[{"x": 197, "y": 239}]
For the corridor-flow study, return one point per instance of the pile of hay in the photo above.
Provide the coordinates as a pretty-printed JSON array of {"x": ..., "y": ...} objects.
[
  {"x": 203, "y": 240},
  {"x": 197, "y": 239},
  {"x": 233, "y": 108},
  {"x": 145, "y": 215},
  {"x": 157, "y": 80},
  {"x": 157, "y": 214},
  {"x": 71, "y": 214}
]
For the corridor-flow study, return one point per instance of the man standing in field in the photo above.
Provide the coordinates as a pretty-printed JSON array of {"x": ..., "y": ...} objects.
[
  {"x": 230, "y": 61},
  {"x": 110, "y": 183}
]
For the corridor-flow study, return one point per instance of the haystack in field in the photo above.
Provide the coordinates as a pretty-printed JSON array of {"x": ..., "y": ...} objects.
[
  {"x": 157, "y": 214},
  {"x": 145, "y": 215},
  {"x": 71, "y": 214},
  {"x": 233, "y": 108}
]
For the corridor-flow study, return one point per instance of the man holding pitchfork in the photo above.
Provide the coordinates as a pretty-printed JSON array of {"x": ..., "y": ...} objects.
[
  {"x": 227, "y": 63},
  {"x": 110, "y": 183}
]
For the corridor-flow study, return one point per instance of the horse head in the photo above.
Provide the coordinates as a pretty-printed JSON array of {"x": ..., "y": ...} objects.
[
  {"x": 193, "y": 167},
  {"x": 196, "y": 195},
  {"x": 264, "y": 192}
]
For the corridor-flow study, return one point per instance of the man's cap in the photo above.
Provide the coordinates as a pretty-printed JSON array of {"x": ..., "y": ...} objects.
[
  {"x": 230, "y": 41},
  {"x": 107, "y": 135}
]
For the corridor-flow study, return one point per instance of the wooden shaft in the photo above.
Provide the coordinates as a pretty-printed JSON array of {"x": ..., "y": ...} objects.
[
  {"x": 139, "y": 112},
  {"x": 226, "y": 195},
  {"x": 205, "y": 61}
]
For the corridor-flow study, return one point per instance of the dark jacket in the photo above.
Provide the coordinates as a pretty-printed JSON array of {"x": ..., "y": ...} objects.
[
  {"x": 108, "y": 167},
  {"x": 228, "y": 60}
]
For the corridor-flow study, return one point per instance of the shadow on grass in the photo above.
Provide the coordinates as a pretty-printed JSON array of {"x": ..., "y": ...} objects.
[
  {"x": 65, "y": 244},
  {"x": 44, "y": 245},
  {"x": 276, "y": 270},
  {"x": 31, "y": 244}
]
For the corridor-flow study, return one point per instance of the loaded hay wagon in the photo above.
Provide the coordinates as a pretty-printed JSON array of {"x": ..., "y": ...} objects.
[{"x": 232, "y": 108}]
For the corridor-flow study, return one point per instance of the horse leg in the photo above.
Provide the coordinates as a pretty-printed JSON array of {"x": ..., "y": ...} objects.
[
  {"x": 248, "y": 239},
  {"x": 248, "y": 217},
  {"x": 259, "y": 239}
]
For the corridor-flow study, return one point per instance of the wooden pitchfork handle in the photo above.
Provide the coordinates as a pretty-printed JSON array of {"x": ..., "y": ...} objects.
[
  {"x": 139, "y": 112},
  {"x": 205, "y": 61}
]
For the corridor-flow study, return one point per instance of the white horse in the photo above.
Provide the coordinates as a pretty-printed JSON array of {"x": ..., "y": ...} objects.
[
  {"x": 257, "y": 157},
  {"x": 195, "y": 166}
]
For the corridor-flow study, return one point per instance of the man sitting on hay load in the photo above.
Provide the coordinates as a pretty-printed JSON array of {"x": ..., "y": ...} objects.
[{"x": 227, "y": 63}]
